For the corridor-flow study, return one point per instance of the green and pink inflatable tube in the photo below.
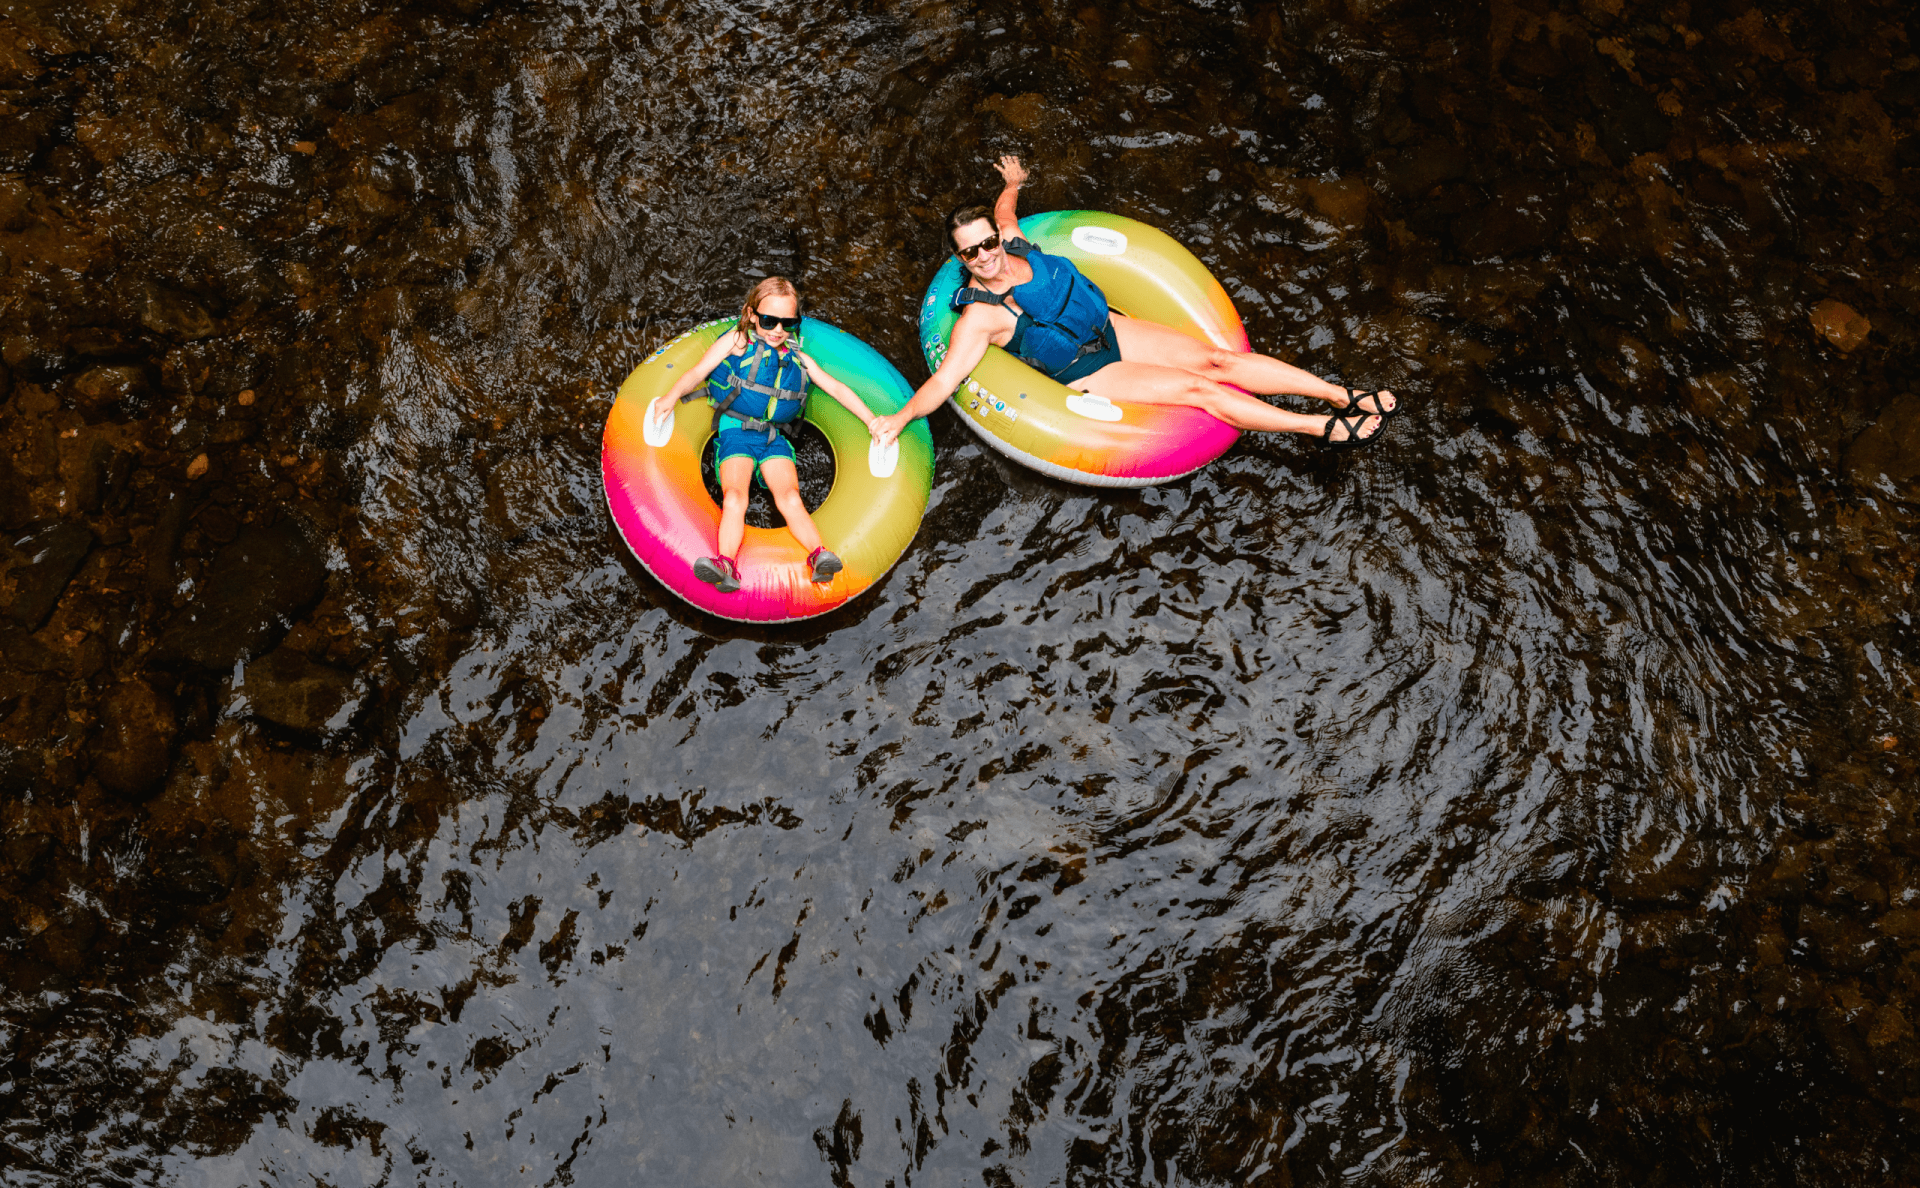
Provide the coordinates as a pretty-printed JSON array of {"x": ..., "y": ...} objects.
[
  {"x": 1084, "y": 437},
  {"x": 660, "y": 504}
]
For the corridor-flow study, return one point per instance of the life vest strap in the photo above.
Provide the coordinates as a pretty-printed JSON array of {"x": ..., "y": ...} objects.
[
  {"x": 974, "y": 295},
  {"x": 777, "y": 393},
  {"x": 738, "y": 382},
  {"x": 773, "y": 428}
]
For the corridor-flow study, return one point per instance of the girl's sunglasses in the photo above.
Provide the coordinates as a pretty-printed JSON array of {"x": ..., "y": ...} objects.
[
  {"x": 769, "y": 322},
  {"x": 985, "y": 245}
]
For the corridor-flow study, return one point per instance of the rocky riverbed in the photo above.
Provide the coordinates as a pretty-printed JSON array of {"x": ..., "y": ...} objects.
[{"x": 1529, "y": 799}]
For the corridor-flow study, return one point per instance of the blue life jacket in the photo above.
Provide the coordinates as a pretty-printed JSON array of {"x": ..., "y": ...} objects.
[
  {"x": 761, "y": 388},
  {"x": 1063, "y": 316}
]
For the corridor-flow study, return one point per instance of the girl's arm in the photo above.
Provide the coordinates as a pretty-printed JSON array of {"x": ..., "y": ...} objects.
[
  {"x": 696, "y": 375},
  {"x": 971, "y": 338},
  {"x": 1006, "y": 208},
  {"x": 839, "y": 391}
]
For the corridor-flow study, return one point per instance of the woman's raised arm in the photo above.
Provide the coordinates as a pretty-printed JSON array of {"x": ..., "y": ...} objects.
[{"x": 1006, "y": 215}]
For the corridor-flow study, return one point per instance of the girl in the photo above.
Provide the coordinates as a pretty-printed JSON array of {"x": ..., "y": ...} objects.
[{"x": 757, "y": 384}]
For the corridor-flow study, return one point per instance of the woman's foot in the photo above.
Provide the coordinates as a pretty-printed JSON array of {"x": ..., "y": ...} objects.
[
  {"x": 1351, "y": 431},
  {"x": 1382, "y": 403},
  {"x": 825, "y": 565},
  {"x": 718, "y": 572}
]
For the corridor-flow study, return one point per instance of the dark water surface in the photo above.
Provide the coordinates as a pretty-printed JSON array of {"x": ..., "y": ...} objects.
[{"x": 1527, "y": 800}]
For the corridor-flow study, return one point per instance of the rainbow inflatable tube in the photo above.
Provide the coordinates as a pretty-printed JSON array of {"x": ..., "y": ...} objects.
[
  {"x": 651, "y": 468},
  {"x": 1084, "y": 437}
]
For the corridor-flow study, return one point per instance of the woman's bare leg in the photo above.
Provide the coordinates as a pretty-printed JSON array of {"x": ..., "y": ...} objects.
[
  {"x": 1150, "y": 383},
  {"x": 735, "y": 474},
  {"x": 1150, "y": 342},
  {"x": 783, "y": 482}
]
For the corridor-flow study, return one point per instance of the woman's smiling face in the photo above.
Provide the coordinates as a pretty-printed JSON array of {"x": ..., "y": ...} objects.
[{"x": 986, "y": 263}]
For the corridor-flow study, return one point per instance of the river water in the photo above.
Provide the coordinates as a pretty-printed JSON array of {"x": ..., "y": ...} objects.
[{"x": 1526, "y": 799}]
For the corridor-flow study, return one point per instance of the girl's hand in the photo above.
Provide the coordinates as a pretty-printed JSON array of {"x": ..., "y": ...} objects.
[
  {"x": 886, "y": 428},
  {"x": 663, "y": 405},
  {"x": 1011, "y": 169}
]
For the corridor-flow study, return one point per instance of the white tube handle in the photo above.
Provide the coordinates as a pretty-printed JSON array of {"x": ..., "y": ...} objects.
[
  {"x": 1092, "y": 407},
  {"x": 657, "y": 429}
]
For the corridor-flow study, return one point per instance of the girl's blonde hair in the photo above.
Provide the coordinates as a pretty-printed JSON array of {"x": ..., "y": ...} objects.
[{"x": 773, "y": 286}]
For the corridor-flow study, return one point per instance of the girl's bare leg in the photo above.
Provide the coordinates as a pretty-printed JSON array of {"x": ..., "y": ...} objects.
[
  {"x": 783, "y": 482},
  {"x": 735, "y": 474}
]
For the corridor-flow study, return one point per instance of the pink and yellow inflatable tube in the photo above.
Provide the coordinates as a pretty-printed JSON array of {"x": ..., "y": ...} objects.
[
  {"x": 1083, "y": 437},
  {"x": 660, "y": 504}
]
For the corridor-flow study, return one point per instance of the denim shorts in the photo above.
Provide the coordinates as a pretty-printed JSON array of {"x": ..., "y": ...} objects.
[{"x": 736, "y": 442}]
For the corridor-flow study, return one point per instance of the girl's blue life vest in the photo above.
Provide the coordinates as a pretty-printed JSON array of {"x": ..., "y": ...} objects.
[
  {"x": 1063, "y": 316},
  {"x": 759, "y": 388}
]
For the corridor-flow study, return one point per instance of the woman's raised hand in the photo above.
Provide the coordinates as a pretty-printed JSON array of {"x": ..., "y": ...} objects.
[{"x": 1011, "y": 169}]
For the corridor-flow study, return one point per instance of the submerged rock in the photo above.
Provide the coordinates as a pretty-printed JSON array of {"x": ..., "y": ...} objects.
[
  {"x": 103, "y": 387},
  {"x": 197, "y": 866},
  {"x": 1887, "y": 455},
  {"x": 1415, "y": 169},
  {"x": 38, "y": 567},
  {"x": 173, "y": 314},
  {"x": 19, "y": 770},
  {"x": 16, "y": 205},
  {"x": 1840, "y": 324},
  {"x": 23, "y": 652},
  {"x": 162, "y": 545},
  {"x": 68, "y": 940},
  {"x": 255, "y": 589},
  {"x": 286, "y": 688},
  {"x": 524, "y": 491},
  {"x": 135, "y": 744},
  {"x": 25, "y": 856}
]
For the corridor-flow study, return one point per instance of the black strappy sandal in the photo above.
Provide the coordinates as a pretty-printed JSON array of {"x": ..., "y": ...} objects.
[
  {"x": 1356, "y": 395},
  {"x": 1353, "y": 440}
]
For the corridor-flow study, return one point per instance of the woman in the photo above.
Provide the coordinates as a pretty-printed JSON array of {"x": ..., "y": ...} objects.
[
  {"x": 1042, "y": 309},
  {"x": 757, "y": 385}
]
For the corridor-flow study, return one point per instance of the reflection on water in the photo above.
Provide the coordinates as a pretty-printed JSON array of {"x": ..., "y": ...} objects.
[{"x": 1526, "y": 799}]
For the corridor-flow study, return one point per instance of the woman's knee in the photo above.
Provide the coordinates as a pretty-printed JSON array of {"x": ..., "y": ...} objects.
[
  {"x": 732, "y": 498},
  {"x": 1220, "y": 361},
  {"x": 1208, "y": 395}
]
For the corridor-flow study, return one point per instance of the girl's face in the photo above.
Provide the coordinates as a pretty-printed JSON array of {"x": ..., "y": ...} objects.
[{"x": 775, "y": 306}]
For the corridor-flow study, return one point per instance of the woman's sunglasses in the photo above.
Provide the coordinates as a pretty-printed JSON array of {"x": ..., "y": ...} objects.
[
  {"x": 985, "y": 245},
  {"x": 769, "y": 322}
]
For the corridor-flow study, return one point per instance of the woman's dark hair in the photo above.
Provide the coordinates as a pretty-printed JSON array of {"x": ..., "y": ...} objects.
[{"x": 962, "y": 215}]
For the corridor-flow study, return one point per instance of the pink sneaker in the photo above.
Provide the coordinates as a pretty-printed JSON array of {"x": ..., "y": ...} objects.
[
  {"x": 825, "y": 565},
  {"x": 719, "y": 572}
]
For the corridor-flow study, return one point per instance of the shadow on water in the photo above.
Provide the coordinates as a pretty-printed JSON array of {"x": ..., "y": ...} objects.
[{"x": 1528, "y": 799}]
